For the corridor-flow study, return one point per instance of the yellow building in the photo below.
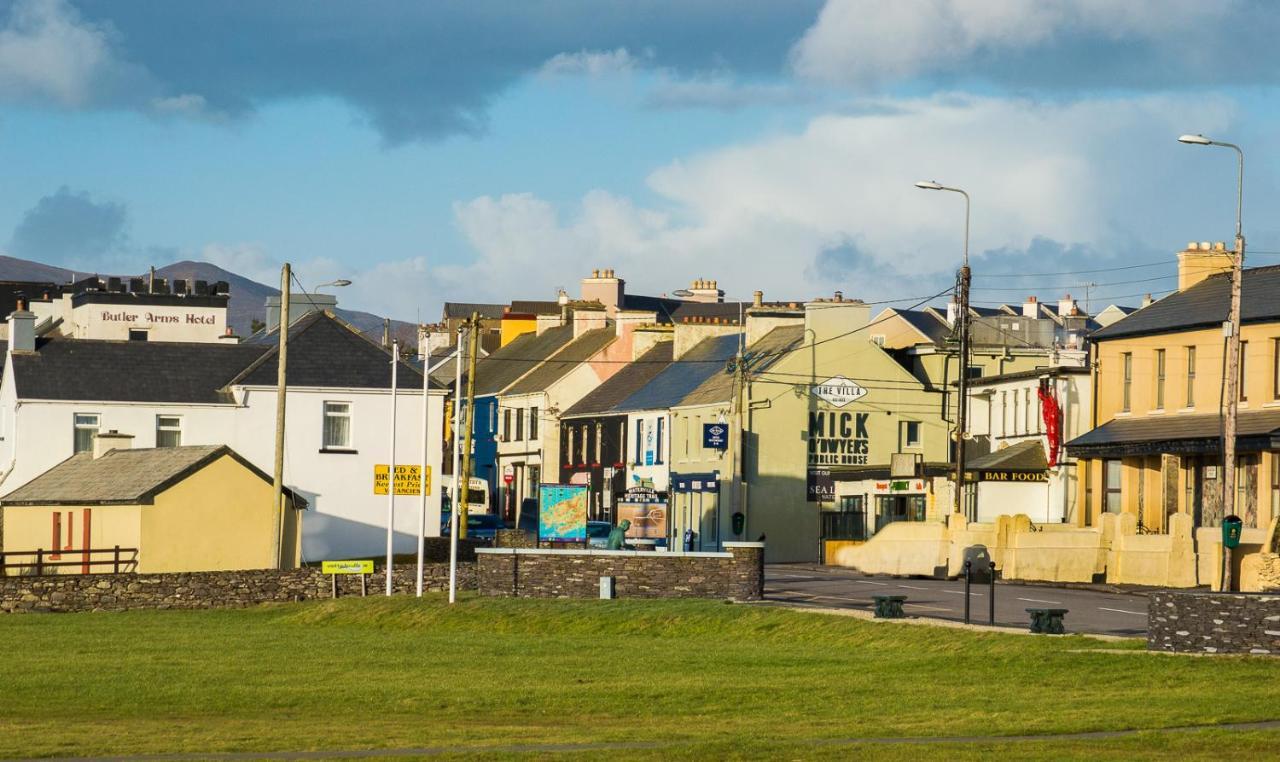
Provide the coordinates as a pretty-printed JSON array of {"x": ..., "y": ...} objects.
[{"x": 167, "y": 509}]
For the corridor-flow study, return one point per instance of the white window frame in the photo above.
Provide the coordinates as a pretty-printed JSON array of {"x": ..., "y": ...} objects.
[
  {"x": 160, "y": 427},
  {"x": 325, "y": 414},
  {"x": 76, "y": 427}
]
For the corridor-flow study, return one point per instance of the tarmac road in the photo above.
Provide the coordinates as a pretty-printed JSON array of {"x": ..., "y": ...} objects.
[{"x": 1089, "y": 611}]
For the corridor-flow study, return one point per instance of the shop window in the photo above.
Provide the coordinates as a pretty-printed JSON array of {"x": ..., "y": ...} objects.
[
  {"x": 1126, "y": 361},
  {"x": 1191, "y": 376},
  {"x": 1244, "y": 371},
  {"x": 168, "y": 431},
  {"x": 891, "y": 508},
  {"x": 1275, "y": 484},
  {"x": 86, "y": 428},
  {"x": 1160, "y": 379},
  {"x": 337, "y": 426},
  {"x": 1111, "y": 483}
]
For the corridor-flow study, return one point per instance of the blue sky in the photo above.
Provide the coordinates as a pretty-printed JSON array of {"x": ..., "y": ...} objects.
[{"x": 498, "y": 150}]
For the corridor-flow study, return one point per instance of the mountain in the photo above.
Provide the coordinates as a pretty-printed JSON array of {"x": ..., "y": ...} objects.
[{"x": 247, "y": 302}]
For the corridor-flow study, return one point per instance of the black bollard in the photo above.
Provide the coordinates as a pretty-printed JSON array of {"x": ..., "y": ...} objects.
[
  {"x": 967, "y": 564},
  {"x": 991, "y": 596}
]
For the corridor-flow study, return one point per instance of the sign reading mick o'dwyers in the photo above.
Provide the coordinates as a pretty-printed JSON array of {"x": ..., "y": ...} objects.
[{"x": 838, "y": 438}]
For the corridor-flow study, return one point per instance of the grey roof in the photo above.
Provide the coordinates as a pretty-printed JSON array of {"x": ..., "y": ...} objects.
[
  {"x": 624, "y": 383},
  {"x": 120, "y": 476},
  {"x": 764, "y": 353},
  {"x": 561, "y": 363},
  {"x": 927, "y": 323},
  {"x": 464, "y": 310},
  {"x": 506, "y": 365},
  {"x": 683, "y": 375},
  {"x": 528, "y": 307},
  {"x": 1169, "y": 428},
  {"x": 1023, "y": 456},
  {"x": 1204, "y": 305},
  {"x": 324, "y": 351},
  {"x": 131, "y": 371}
]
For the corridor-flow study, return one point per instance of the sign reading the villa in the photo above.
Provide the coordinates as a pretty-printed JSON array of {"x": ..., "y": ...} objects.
[
  {"x": 838, "y": 391},
  {"x": 838, "y": 439},
  {"x": 1013, "y": 476}
]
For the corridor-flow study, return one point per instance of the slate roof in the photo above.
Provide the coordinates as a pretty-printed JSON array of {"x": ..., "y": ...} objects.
[
  {"x": 561, "y": 363},
  {"x": 131, "y": 371},
  {"x": 927, "y": 323},
  {"x": 1204, "y": 305},
  {"x": 684, "y": 375},
  {"x": 506, "y": 365},
  {"x": 1171, "y": 428},
  {"x": 1023, "y": 456},
  {"x": 464, "y": 310},
  {"x": 527, "y": 307},
  {"x": 763, "y": 354},
  {"x": 126, "y": 476},
  {"x": 326, "y": 352},
  {"x": 624, "y": 383}
]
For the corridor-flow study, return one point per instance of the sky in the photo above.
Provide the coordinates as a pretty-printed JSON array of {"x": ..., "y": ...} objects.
[{"x": 491, "y": 151}]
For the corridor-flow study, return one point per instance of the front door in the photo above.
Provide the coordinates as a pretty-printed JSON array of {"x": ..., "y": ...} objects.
[{"x": 891, "y": 508}]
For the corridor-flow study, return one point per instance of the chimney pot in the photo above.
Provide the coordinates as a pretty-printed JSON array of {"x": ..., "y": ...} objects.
[
  {"x": 1204, "y": 246},
  {"x": 757, "y": 299},
  {"x": 839, "y": 296},
  {"x": 1219, "y": 246}
]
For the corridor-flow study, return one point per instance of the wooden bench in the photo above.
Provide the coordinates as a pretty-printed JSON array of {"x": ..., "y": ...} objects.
[
  {"x": 889, "y": 606},
  {"x": 1047, "y": 621}
]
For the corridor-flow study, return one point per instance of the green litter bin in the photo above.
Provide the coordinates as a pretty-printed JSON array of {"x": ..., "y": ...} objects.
[{"x": 1231, "y": 528}]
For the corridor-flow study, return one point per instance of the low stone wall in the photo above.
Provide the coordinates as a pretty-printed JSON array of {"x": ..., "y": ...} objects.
[
  {"x": 209, "y": 590},
  {"x": 514, "y": 538},
  {"x": 1213, "y": 622},
  {"x": 737, "y": 574}
]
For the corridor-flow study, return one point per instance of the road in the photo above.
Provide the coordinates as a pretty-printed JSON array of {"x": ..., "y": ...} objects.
[{"x": 1089, "y": 611}]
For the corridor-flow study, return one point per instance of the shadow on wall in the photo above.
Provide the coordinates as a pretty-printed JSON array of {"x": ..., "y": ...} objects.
[{"x": 326, "y": 537}]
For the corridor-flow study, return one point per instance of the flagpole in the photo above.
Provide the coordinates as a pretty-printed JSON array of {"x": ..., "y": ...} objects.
[
  {"x": 391, "y": 467},
  {"x": 423, "y": 480},
  {"x": 457, "y": 455}
]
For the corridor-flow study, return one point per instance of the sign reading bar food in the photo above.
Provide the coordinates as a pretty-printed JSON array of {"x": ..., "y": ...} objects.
[
  {"x": 986, "y": 475},
  {"x": 410, "y": 480},
  {"x": 347, "y": 567},
  {"x": 562, "y": 512}
]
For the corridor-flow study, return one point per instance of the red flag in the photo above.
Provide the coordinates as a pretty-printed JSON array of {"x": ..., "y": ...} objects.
[{"x": 1052, "y": 417}]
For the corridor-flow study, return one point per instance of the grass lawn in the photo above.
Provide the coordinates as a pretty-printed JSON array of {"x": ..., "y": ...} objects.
[{"x": 700, "y": 679}]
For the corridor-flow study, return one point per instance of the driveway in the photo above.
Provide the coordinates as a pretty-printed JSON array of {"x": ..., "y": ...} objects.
[{"x": 1090, "y": 611}]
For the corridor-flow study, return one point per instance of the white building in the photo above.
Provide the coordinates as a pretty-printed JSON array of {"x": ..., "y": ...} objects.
[
  {"x": 58, "y": 393},
  {"x": 134, "y": 310}
]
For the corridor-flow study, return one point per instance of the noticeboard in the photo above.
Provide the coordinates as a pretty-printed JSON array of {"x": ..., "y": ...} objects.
[
  {"x": 410, "y": 480},
  {"x": 647, "y": 513},
  {"x": 562, "y": 512},
  {"x": 347, "y": 567}
]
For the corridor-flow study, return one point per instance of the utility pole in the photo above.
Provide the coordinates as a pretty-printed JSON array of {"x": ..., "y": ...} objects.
[
  {"x": 391, "y": 471},
  {"x": 462, "y": 481},
  {"x": 277, "y": 478},
  {"x": 457, "y": 447},
  {"x": 425, "y": 465}
]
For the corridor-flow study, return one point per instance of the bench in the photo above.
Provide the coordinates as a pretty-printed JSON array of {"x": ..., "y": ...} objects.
[
  {"x": 1047, "y": 621},
  {"x": 889, "y": 606}
]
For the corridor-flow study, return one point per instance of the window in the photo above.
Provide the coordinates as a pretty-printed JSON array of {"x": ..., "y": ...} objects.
[
  {"x": 519, "y": 425},
  {"x": 1127, "y": 388},
  {"x": 1275, "y": 485},
  {"x": 1111, "y": 479},
  {"x": 1275, "y": 369},
  {"x": 1191, "y": 376},
  {"x": 586, "y": 434},
  {"x": 910, "y": 433},
  {"x": 533, "y": 423},
  {"x": 337, "y": 426},
  {"x": 1004, "y": 414},
  {"x": 568, "y": 445},
  {"x": 137, "y": 334},
  {"x": 168, "y": 431},
  {"x": 973, "y": 371},
  {"x": 1030, "y": 411},
  {"x": 86, "y": 428},
  {"x": 1244, "y": 367},
  {"x": 506, "y": 424},
  {"x": 1087, "y": 467},
  {"x": 1159, "y": 379},
  {"x": 599, "y": 443},
  {"x": 637, "y": 457},
  {"x": 57, "y": 535},
  {"x": 657, "y": 447}
]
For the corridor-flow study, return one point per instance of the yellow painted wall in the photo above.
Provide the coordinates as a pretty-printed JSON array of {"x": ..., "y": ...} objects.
[
  {"x": 514, "y": 327},
  {"x": 219, "y": 518},
  {"x": 31, "y": 528}
]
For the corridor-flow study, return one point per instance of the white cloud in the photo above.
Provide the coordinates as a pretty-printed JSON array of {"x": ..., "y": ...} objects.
[
  {"x": 48, "y": 52},
  {"x": 834, "y": 206},
  {"x": 865, "y": 42},
  {"x": 590, "y": 63}
]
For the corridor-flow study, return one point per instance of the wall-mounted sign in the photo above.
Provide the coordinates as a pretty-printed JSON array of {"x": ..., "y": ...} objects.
[
  {"x": 189, "y": 318},
  {"x": 696, "y": 482},
  {"x": 838, "y": 439},
  {"x": 1012, "y": 476},
  {"x": 715, "y": 436},
  {"x": 346, "y": 567},
  {"x": 899, "y": 485},
  {"x": 820, "y": 487},
  {"x": 410, "y": 480},
  {"x": 508, "y": 474},
  {"x": 838, "y": 391}
]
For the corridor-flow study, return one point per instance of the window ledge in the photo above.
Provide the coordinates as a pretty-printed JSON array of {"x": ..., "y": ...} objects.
[{"x": 337, "y": 451}]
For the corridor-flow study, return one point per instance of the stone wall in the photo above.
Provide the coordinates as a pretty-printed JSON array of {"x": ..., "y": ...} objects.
[
  {"x": 207, "y": 590},
  {"x": 514, "y": 538},
  {"x": 737, "y": 574},
  {"x": 1213, "y": 622}
]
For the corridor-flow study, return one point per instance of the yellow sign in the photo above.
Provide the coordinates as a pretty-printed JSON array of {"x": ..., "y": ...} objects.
[
  {"x": 410, "y": 480},
  {"x": 347, "y": 567}
]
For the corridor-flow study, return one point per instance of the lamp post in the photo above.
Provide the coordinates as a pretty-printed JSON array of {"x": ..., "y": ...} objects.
[
  {"x": 962, "y": 316},
  {"x": 1231, "y": 384},
  {"x": 339, "y": 283}
]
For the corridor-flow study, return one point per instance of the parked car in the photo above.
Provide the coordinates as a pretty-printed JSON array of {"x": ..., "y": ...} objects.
[
  {"x": 598, "y": 534},
  {"x": 480, "y": 526}
]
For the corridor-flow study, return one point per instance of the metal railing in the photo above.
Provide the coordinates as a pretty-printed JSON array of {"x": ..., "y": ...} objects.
[
  {"x": 844, "y": 525},
  {"x": 42, "y": 561}
]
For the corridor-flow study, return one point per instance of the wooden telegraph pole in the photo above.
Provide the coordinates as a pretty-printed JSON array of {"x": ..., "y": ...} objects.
[
  {"x": 277, "y": 478},
  {"x": 462, "y": 480}
]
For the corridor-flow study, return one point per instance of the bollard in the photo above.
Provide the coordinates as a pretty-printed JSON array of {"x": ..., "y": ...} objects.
[
  {"x": 967, "y": 564},
  {"x": 991, "y": 596}
]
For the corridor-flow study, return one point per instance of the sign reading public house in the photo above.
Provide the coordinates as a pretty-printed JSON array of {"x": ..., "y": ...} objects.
[
  {"x": 838, "y": 391},
  {"x": 838, "y": 439}
]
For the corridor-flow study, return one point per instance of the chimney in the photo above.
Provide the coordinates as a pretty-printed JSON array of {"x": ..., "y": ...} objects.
[
  {"x": 229, "y": 337},
  {"x": 1201, "y": 260},
  {"x": 1147, "y": 301},
  {"x": 105, "y": 442},
  {"x": 705, "y": 291},
  {"x": 829, "y": 319},
  {"x": 588, "y": 319},
  {"x": 22, "y": 329},
  {"x": 839, "y": 297},
  {"x": 1031, "y": 309},
  {"x": 604, "y": 287},
  {"x": 757, "y": 299},
  {"x": 1067, "y": 306}
]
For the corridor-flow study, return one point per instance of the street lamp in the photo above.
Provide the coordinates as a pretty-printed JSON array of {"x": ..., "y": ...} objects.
[
  {"x": 962, "y": 287},
  {"x": 1231, "y": 384},
  {"x": 339, "y": 283}
]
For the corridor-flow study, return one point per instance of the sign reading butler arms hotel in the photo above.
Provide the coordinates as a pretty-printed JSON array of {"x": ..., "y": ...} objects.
[{"x": 191, "y": 318}]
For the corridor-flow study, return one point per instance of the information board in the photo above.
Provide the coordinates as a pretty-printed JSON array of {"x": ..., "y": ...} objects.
[{"x": 562, "y": 512}]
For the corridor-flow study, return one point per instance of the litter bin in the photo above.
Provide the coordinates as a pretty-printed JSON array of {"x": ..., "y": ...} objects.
[
  {"x": 979, "y": 559},
  {"x": 1231, "y": 528}
]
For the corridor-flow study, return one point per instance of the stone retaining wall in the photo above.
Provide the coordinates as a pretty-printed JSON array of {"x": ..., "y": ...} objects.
[
  {"x": 1213, "y": 622},
  {"x": 737, "y": 574},
  {"x": 208, "y": 590}
]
